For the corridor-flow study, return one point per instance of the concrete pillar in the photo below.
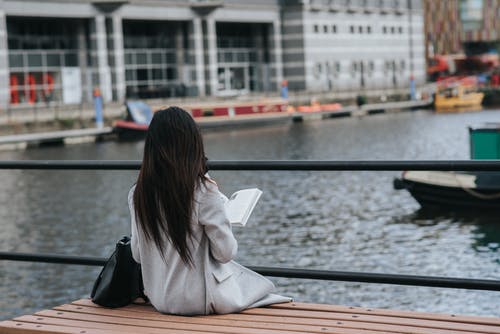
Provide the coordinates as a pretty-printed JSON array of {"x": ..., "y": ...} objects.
[
  {"x": 82, "y": 62},
  {"x": 4, "y": 61},
  {"x": 198, "y": 55},
  {"x": 278, "y": 53},
  {"x": 212, "y": 55},
  {"x": 103, "y": 69},
  {"x": 182, "y": 75},
  {"x": 119, "y": 57},
  {"x": 263, "y": 76}
]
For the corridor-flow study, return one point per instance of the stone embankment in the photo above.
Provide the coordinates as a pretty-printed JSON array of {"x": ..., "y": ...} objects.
[
  {"x": 33, "y": 124},
  {"x": 26, "y": 130},
  {"x": 29, "y": 119}
]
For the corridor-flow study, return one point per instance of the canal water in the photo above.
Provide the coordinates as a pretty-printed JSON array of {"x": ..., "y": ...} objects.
[{"x": 347, "y": 221}]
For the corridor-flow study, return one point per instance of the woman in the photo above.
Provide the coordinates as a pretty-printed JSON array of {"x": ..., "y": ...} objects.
[{"x": 180, "y": 232}]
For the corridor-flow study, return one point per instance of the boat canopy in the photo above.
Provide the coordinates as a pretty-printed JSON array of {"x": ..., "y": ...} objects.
[{"x": 139, "y": 112}]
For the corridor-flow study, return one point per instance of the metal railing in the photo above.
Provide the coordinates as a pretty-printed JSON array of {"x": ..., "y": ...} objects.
[
  {"x": 282, "y": 165},
  {"x": 329, "y": 275},
  {"x": 263, "y": 165}
]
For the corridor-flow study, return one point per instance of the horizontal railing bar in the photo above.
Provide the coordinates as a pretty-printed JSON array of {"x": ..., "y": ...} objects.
[
  {"x": 53, "y": 258},
  {"x": 346, "y": 276},
  {"x": 282, "y": 165},
  {"x": 72, "y": 164}
]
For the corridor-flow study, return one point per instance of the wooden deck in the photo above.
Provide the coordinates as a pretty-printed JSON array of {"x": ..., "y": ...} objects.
[{"x": 84, "y": 317}]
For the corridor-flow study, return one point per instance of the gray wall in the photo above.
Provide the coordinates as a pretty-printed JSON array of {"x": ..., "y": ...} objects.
[{"x": 293, "y": 47}]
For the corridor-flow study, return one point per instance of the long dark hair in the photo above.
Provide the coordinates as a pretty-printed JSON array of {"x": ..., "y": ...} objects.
[{"x": 172, "y": 167}]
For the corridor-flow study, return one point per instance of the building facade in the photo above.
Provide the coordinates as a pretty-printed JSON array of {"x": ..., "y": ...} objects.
[
  {"x": 64, "y": 52},
  {"x": 461, "y": 26},
  {"x": 341, "y": 45}
]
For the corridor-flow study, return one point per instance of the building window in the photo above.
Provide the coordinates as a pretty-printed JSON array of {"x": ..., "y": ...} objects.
[
  {"x": 369, "y": 29},
  {"x": 39, "y": 51},
  {"x": 352, "y": 29},
  {"x": 325, "y": 29},
  {"x": 316, "y": 28},
  {"x": 471, "y": 14},
  {"x": 337, "y": 68},
  {"x": 334, "y": 29},
  {"x": 387, "y": 66},
  {"x": 393, "y": 30},
  {"x": 360, "y": 29},
  {"x": 400, "y": 29},
  {"x": 317, "y": 70},
  {"x": 384, "y": 29},
  {"x": 354, "y": 68}
]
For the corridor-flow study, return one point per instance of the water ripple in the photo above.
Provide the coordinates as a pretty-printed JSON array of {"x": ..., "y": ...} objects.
[{"x": 345, "y": 221}]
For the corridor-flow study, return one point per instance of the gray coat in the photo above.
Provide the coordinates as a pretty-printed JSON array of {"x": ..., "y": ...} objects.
[{"x": 215, "y": 283}]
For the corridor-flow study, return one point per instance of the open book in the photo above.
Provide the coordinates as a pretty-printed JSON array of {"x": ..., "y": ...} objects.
[{"x": 241, "y": 204}]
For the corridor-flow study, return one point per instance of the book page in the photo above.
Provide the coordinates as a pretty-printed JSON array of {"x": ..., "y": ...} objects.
[{"x": 241, "y": 204}]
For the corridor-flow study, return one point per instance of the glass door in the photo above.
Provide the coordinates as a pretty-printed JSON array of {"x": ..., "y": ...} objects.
[{"x": 233, "y": 80}]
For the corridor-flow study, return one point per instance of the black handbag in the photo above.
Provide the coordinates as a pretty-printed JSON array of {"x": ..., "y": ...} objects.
[{"x": 120, "y": 281}]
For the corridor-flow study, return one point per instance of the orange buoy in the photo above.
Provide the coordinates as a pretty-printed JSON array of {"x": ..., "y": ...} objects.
[
  {"x": 31, "y": 93},
  {"x": 14, "y": 89}
]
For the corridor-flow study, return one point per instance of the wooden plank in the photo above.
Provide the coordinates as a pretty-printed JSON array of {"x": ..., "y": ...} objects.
[
  {"x": 160, "y": 321},
  {"x": 83, "y": 316},
  {"x": 357, "y": 325},
  {"x": 394, "y": 313},
  {"x": 303, "y": 321},
  {"x": 99, "y": 325},
  {"x": 16, "y": 327},
  {"x": 410, "y": 325},
  {"x": 474, "y": 328},
  {"x": 241, "y": 322}
]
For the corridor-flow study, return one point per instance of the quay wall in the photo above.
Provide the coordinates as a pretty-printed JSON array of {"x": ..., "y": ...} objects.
[{"x": 54, "y": 118}]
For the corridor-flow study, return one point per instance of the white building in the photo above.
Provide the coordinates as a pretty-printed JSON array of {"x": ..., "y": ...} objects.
[
  {"x": 345, "y": 45},
  {"x": 59, "y": 52}
]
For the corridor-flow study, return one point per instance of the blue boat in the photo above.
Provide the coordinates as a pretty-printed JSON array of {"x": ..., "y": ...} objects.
[{"x": 136, "y": 121}]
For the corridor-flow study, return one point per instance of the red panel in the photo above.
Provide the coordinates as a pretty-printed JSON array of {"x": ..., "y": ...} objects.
[
  {"x": 130, "y": 125},
  {"x": 196, "y": 112},
  {"x": 243, "y": 110},
  {"x": 223, "y": 111}
]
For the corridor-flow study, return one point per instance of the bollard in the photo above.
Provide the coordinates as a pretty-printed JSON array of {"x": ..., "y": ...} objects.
[
  {"x": 284, "y": 89},
  {"x": 412, "y": 88},
  {"x": 98, "y": 106}
]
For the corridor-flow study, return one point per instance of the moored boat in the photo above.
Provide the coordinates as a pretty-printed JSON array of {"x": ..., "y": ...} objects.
[
  {"x": 239, "y": 108},
  {"x": 457, "y": 191},
  {"x": 136, "y": 122},
  {"x": 460, "y": 191},
  {"x": 316, "y": 107},
  {"x": 457, "y": 96},
  {"x": 317, "y": 110}
]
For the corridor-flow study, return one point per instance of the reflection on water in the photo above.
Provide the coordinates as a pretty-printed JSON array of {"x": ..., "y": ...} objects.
[
  {"x": 352, "y": 221},
  {"x": 485, "y": 226},
  {"x": 487, "y": 237}
]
